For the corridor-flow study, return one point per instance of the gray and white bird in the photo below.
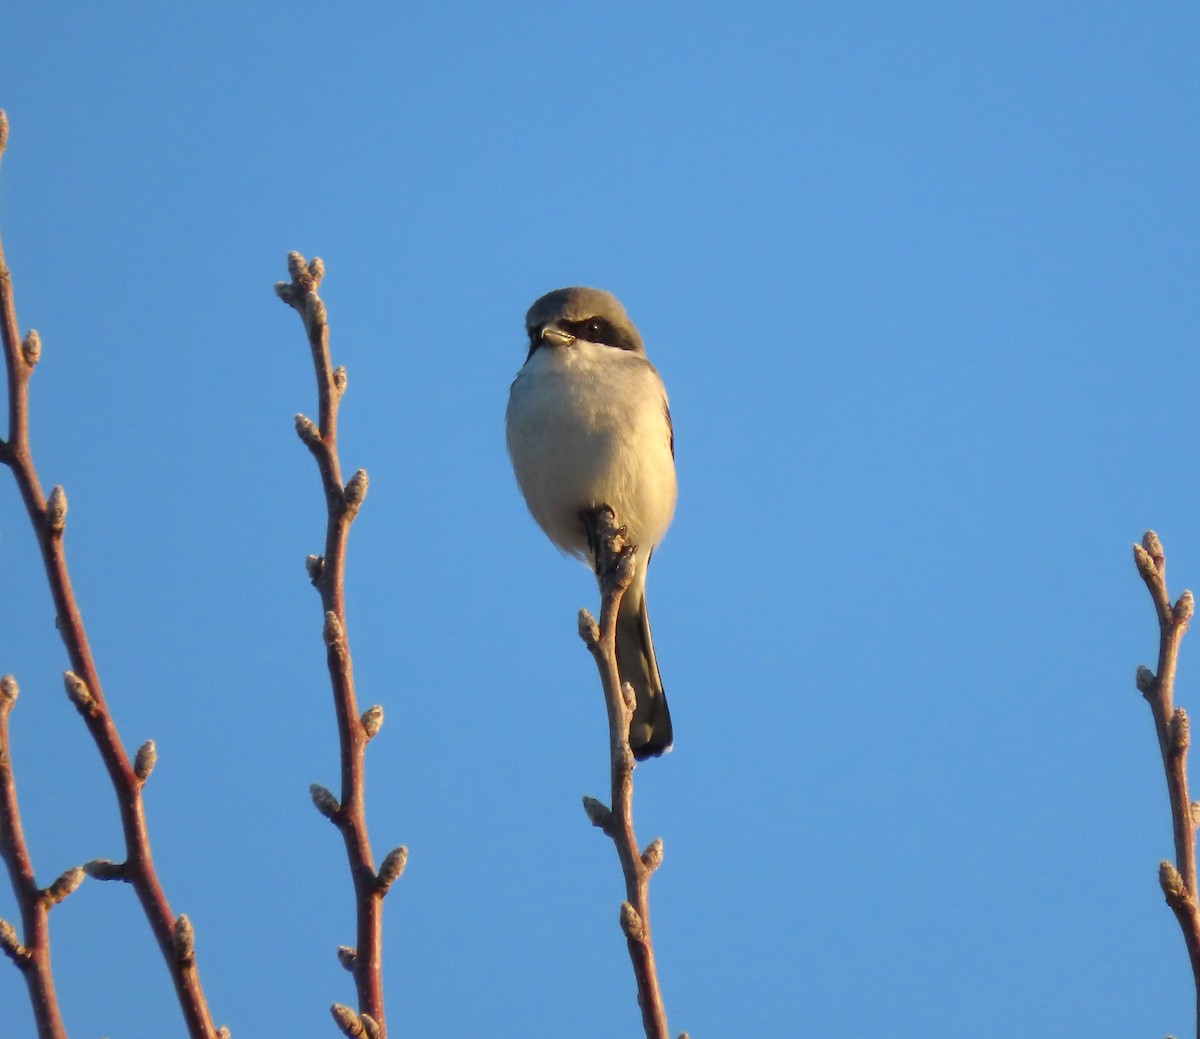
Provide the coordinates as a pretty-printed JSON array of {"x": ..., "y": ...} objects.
[{"x": 588, "y": 424}]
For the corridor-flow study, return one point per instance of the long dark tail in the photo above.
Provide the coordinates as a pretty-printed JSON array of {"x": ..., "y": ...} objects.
[{"x": 650, "y": 732}]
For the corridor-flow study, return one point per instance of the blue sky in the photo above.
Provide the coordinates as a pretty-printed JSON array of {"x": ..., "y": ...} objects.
[{"x": 921, "y": 280}]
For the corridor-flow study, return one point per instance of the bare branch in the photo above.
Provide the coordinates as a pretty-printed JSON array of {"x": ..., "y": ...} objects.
[
  {"x": 48, "y": 517},
  {"x": 615, "y": 563},
  {"x": 32, "y": 956},
  {"x": 355, "y": 730},
  {"x": 1178, "y": 879}
]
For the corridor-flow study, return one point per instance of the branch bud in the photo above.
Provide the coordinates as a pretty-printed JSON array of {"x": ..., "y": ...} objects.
[
  {"x": 3, "y": 131},
  {"x": 1171, "y": 882},
  {"x": 1180, "y": 731},
  {"x": 598, "y": 813},
  {"x": 11, "y": 944},
  {"x": 333, "y": 633},
  {"x": 326, "y": 803},
  {"x": 9, "y": 692},
  {"x": 1185, "y": 607},
  {"x": 339, "y": 380},
  {"x": 56, "y": 510},
  {"x": 316, "y": 268},
  {"x": 307, "y": 431},
  {"x": 298, "y": 269},
  {"x": 79, "y": 693},
  {"x": 653, "y": 855},
  {"x": 31, "y": 347},
  {"x": 391, "y": 869},
  {"x": 372, "y": 721},
  {"x": 105, "y": 869},
  {"x": 348, "y": 1021},
  {"x": 628, "y": 695},
  {"x": 356, "y": 491},
  {"x": 315, "y": 565},
  {"x": 1195, "y": 814},
  {"x": 146, "y": 759},
  {"x": 1144, "y": 563},
  {"x": 1146, "y": 682},
  {"x": 347, "y": 956},
  {"x": 370, "y": 1026},
  {"x": 223, "y": 1032},
  {"x": 1154, "y": 549},
  {"x": 64, "y": 885},
  {"x": 184, "y": 940},
  {"x": 631, "y": 923},
  {"x": 589, "y": 630}
]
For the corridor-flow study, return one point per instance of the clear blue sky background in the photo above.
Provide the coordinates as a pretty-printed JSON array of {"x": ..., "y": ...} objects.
[{"x": 921, "y": 279}]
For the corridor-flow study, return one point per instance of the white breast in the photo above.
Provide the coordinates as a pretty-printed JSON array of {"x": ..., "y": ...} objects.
[{"x": 587, "y": 425}]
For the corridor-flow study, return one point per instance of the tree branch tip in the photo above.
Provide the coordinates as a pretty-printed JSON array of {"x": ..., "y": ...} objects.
[
  {"x": 11, "y": 944},
  {"x": 9, "y": 691},
  {"x": 64, "y": 886},
  {"x": 346, "y": 956},
  {"x": 183, "y": 940},
  {"x": 589, "y": 630},
  {"x": 106, "y": 869},
  {"x": 323, "y": 799},
  {"x": 1152, "y": 544},
  {"x": 356, "y": 490},
  {"x": 631, "y": 923},
  {"x": 315, "y": 565},
  {"x": 349, "y": 1021},
  {"x": 1144, "y": 563},
  {"x": 1146, "y": 680},
  {"x": 297, "y": 267},
  {"x": 1185, "y": 607},
  {"x": 652, "y": 857},
  {"x": 80, "y": 695},
  {"x": 372, "y": 721},
  {"x": 56, "y": 510},
  {"x": 332, "y": 632},
  {"x": 598, "y": 813},
  {"x": 306, "y": 430},
  {"x": 391, "y": 869},
  {"x": 31, "y": 348},
  {"x": 145, "y": 760}
]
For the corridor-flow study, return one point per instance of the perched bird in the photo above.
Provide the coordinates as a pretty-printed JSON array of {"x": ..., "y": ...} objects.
[{"x": 588, "y": 425}]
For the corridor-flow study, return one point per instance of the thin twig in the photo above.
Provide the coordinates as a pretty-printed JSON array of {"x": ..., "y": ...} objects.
[
  {"x": 83, "y": 680},
  {"x": 31, "y": 953},
  {"x": 615, "y": 561},
  {"x": 327, "y": 573},
  {"x": 1178, "y": 880}
]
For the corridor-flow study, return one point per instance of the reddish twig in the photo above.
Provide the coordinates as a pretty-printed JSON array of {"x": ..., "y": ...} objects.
[
  {"x": 31, "y": 953},
  {"x": 615, "y": 562},
  {"x": 48, "y": 517},
  {"x": 1178, "y": 880},
  {"x": 327, "y": 572}
]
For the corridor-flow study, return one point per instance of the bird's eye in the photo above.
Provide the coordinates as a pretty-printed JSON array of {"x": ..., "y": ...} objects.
[{"x": 595, "y": 329}]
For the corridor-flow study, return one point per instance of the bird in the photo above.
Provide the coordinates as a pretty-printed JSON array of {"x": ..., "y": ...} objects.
[{"x": 588, "y": 424}]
